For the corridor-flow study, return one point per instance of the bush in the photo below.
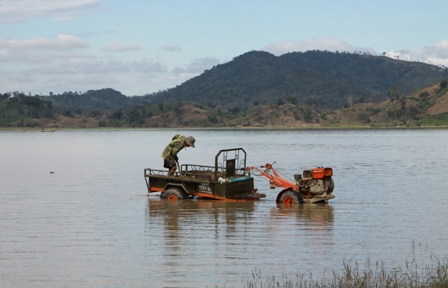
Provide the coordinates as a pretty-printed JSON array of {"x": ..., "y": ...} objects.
[
  {"x": 67, "y": 113},
  {"x": 424, "y": 95},
  {"x": 212, "y": 119},
  {"x": 234, "y": 110},
  {"x": 308, "y": 116},
  {"x": 364, "y": 118},
  {"x": 116, "y": 115},
  {"x": 444, "y": 84}
]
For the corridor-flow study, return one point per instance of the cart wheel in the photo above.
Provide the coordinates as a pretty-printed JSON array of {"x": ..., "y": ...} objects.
[
  {"x": 174, "y": 194},
  {"x": 290, "y": 197}
]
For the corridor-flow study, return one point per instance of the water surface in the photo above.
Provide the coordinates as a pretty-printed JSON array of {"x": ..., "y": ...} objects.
[{"x": 91, "y": 223}]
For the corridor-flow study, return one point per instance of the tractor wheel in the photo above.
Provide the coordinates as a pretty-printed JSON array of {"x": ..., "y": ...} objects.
[
  {"x": 174, "y": 194},
  {"x": 290, "y": 197},
  {"x": 331, "y": 186}
]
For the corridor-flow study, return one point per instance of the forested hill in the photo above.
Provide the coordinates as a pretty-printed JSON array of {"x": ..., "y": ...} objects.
[
  {"x": 102, "y": 100},
  {"x": 327, "y": 79}
]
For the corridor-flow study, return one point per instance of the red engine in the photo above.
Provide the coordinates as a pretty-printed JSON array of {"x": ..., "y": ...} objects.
[{"x": 316, "y": 181}]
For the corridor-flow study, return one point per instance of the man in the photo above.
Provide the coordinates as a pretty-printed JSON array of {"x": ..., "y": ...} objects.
[{"x": 169, "y": 155}]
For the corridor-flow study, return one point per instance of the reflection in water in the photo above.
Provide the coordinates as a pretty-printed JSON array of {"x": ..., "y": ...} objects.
[
  {"x": 199, "y": 232},
  {"x": 308, "y": 226},
  {"x": 233, "y": 235},
  {"x": 177, "y": 214},
  {"x": 174, "y": 210},
  {"x": 316, "y": 214}
]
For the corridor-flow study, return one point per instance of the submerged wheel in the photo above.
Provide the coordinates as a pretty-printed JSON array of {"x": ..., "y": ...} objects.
[
  {"x": 174, "y": 194},
  {"x": 290, "y": 197}
]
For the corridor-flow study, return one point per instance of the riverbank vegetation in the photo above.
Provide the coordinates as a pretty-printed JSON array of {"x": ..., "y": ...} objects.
[
  {"x": 427, "y": 107},
  {"x": 315, "y": 89},
  {"x": 360, "y": 276}
]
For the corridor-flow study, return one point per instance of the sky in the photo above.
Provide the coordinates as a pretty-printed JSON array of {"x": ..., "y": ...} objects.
[{"x": 141, "y": 47}]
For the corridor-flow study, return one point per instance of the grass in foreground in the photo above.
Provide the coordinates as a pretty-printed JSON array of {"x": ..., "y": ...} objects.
[{"x": 412, "y": 276}]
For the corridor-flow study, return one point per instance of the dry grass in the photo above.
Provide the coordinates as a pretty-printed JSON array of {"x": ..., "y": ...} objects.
[{"x": 365, "y": 276}]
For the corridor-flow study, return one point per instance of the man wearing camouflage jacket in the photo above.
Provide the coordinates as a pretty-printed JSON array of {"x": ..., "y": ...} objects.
[{"x": 169, "y": 154}]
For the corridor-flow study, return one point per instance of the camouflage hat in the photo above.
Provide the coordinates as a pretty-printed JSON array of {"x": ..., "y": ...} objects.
[{"x": 190, "y": 141}]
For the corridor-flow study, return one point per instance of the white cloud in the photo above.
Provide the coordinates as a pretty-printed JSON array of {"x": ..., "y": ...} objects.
[
  {"x": 41, "y": 49},
  {"x": 329, "y": 43},
  {"x": 197, "y": 66},
  {"x": 146, "y": 66},
  {"x": 56, "y": 69},
  {"x": 22, "y": 10},
  {"x": 118, "y": 47},
  {"x": 170, "y": 48},
  {"x": 33, "y": 57},
  {"x": 130, "y": 78},
  {"x": 98, "y": 67},
  {"x": 62, "y": 42},
  {"x": 436, "y": 54}
]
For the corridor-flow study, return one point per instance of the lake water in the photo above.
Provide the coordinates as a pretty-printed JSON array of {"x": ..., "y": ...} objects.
[{"x": 90, "y": 223}]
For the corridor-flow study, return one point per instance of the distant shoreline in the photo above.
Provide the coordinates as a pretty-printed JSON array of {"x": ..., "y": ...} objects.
[{"x": 344, "y": 127}]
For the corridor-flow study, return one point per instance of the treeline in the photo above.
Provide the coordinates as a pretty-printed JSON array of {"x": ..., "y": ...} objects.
[
  {"x": 331, "y": 80},
  {"x": 21, "y": 110},
  {"x": 398, "y": 110},
  {"x": 423, "y": 107},
  {"x": 322, "y": 80},
  {"x": 96, "y": 101},
  {"x": 325, "y": 77}
]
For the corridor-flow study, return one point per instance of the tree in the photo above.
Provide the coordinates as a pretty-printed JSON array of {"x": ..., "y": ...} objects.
[
  {"x": 292, "y": 100},
  {"x": 444, "y": 84},
  {"x": 424, "y": 95},
  {"x": 212, "y": 119},
  {"x": 394, "y": 93},
  {"x": 307, "y": 115},
  {"x": 234, "y": 110},
  {"x": 350, "y": 100}
]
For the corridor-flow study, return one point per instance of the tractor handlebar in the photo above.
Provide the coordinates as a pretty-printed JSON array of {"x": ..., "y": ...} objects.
[{"x": 268, "y": 165}]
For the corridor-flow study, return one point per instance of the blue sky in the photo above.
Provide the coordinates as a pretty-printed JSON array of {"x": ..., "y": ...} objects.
[{"x": 139, "y": 47}]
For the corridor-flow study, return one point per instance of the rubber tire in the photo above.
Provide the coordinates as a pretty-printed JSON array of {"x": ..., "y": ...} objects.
[
  {"x": 290, "y": 197},
  {"x": 174, "y": 194},
  {"x": 331, "y": 188}
]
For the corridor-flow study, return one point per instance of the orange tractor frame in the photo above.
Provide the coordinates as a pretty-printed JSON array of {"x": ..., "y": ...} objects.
[{"x": 315, "y": 185}]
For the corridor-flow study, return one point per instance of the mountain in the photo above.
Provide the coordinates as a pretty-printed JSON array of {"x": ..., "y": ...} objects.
[
  {"x": 257, "y": 89},
  {"x": 427, "y": 107},
  {"x": 325, "y": 78},
  {"x": 103, "y": 100}
]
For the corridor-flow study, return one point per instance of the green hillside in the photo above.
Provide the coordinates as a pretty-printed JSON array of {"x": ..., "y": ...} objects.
[
  {"x": 426, "y": 107},
  {"x": 19, "y": 110},
  {"x": 258, "y": 89},
  {"x": 71, "y": 103},
  {"x": 325, "y": 78}
]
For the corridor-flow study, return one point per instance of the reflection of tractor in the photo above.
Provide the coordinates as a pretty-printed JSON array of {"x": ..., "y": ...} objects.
[
  {"x": 315, "y": 185},
  {"x": 227, "y": 180}
]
